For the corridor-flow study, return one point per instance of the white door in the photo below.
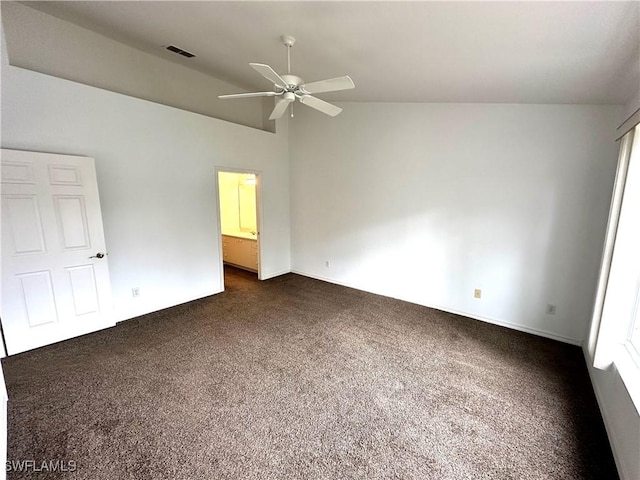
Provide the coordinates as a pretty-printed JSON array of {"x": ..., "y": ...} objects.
[{"x": 55, "y": 276}]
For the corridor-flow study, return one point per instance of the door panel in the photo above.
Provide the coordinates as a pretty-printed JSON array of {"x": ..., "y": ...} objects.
[
  {"x": 65, "y": 175},
  {"x": 83, "y": 289},
  {"x": 23, "y": 225},
  {"x": 17, "y": 172},
  {"x": 37, "y": 294},
  {"x": 51, "y": 227},
  {"x": 72, "y": 220}
]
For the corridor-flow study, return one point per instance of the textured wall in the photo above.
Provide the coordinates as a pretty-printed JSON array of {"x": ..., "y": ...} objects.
[
  {"x": 155, "y": 167},
  {"x": 427, "y": 202}
]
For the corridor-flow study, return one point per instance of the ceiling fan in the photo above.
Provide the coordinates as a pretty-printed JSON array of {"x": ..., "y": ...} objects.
[{"x": 290, "y": 87}]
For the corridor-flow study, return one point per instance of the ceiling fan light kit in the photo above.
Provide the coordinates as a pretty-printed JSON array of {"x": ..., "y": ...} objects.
[{"x": 290, "y": 87}]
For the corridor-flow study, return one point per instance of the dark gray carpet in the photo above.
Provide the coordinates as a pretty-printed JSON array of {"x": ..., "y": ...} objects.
[{"x": 294, "y": 378}]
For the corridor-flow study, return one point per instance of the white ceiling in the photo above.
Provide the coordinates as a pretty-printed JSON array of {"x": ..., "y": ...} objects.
[{"x": 502, "y": 52}]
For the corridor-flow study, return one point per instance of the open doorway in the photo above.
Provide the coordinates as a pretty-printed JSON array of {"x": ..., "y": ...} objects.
[{"x": 238, "y": 204}]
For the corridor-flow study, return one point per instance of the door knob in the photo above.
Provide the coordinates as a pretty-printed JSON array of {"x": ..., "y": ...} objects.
[{"x": 99, "y": 255}]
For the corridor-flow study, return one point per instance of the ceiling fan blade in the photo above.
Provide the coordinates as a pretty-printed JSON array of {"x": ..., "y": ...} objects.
[
  {"x": 330, "y": 85},
  {"x": 321, "y": 105},
  {"x": 249, "y": 95},
  {"x": 279, "y": 109},
  {"x": 269, "y": 73}
]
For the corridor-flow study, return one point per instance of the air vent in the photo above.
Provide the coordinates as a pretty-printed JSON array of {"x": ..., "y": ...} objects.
[{"x": 184, "y": 53}]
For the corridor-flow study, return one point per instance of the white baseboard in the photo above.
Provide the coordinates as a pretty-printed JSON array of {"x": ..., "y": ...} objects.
[
  {"x": 605, "y": 417},
  {"x": 494, "y": 321},
  {"x": 156, "y": 308},
  {"x": 273, "y": 275},
  {"x": 174, "y": 303},
  {"x": 513, "y": 326}
]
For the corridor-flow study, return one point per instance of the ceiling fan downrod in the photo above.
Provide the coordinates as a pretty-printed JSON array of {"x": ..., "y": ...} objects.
[{"x": 289, "y": 42}]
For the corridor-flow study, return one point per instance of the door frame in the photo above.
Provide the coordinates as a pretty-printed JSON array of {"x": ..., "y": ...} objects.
[{"x": 258, "y": 174}]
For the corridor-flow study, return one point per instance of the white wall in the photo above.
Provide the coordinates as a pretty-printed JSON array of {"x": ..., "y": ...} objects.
[
  {"x": 426, "y": 202},
  {"x": 46, "y": 44},
  {"x": 155, "y": 167}
]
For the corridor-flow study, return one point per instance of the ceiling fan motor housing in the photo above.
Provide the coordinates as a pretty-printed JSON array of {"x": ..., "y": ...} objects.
[{"x": 293, "y": 81}]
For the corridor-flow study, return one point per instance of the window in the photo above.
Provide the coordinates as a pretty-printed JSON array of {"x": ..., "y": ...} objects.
[
  {"x": 627, "y": 354},
  {"x": 616, "y": 324}
]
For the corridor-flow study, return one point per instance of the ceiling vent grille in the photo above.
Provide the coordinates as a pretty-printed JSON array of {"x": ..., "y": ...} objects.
[{"x": 184, "y": 53}]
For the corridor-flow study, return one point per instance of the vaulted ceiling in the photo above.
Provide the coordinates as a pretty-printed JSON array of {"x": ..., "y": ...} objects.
[{"x": 502, "y": 52}]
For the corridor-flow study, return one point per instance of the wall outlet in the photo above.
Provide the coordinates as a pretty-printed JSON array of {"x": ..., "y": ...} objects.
[
  {"x": 551, "y": 309},
  {"x": 135, "y": 291},
  {"x": 477, "y": 293}
]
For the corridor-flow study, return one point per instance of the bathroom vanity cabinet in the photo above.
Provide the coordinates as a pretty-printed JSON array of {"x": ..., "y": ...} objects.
[{"x": 240, "y": 252}]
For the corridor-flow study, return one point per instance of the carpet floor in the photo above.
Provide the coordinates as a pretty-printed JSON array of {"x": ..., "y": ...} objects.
[{"x": 293, "y": 378}]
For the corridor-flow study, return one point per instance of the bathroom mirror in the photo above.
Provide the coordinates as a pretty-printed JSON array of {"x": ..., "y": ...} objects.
[{"x": 247, "y": 204}]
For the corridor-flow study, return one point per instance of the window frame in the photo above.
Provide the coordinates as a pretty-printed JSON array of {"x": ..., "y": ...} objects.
[
  {"x": 627, "y": 351},
  {"x": 633, "y": 339}
]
